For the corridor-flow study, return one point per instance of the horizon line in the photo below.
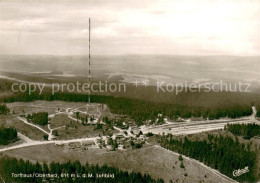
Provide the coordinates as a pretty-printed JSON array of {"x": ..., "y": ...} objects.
[{"x": 98, "y": 55}]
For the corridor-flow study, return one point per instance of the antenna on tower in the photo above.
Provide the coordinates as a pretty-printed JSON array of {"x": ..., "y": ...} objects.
[{"x": 89, "y": 58}]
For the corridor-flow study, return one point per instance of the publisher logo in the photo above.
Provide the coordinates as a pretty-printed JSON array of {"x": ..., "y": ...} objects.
[{"x": 239, "y": 172}]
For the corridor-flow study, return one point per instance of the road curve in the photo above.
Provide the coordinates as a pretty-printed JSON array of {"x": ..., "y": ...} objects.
[{"x": 26, "y": 122}]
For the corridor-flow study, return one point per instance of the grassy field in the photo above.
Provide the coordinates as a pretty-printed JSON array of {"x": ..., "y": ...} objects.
[
  {"x": 59, "y": 120},
  {"x": 66, "y": 127},
  {"x": 29, "y": 131},
  {"x": 74, "y": 129},
  {"x": 157, "y": 162},
  {"x": 39, "y": 106}
]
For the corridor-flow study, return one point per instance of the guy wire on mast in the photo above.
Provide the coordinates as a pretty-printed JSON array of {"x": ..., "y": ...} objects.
[{"x": 89, "y": 58}]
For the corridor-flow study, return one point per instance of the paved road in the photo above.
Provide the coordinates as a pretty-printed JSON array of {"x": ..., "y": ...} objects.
[
  {"x": 24, "y": 138},
  {"x": 26, "y": 122},
  {"x": 189, "y": 128},
  {"x": 50, "y": 135},
  {"x": 37, "y": 106},
  {"x": 35, "y": 143},
  {"x": 177, "y": 128}
]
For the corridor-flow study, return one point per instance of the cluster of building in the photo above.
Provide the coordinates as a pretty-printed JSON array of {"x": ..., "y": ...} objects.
[
  {"x": 84, "y": 145},
  {"x": 131, "y": 138}
]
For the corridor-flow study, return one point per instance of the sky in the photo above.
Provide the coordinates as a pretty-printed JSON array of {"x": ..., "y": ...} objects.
[{"x": 119, "y": 27}]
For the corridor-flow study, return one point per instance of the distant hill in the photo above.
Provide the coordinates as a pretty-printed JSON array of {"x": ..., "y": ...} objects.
[
  {"x": 154, "y": 67},
  {"x": 128, "y": 68}
]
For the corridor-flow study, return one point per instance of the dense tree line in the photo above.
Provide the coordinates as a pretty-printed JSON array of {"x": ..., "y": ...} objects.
[
  {"x": 113, "y": 143},
  {"x": 246, "y": 130},
  {"x": 221, "y": 153},
  {"x": 4, "y": 109},
  {"x": 141, "y": 111},
  {"x": 11, "y": 165},
  {"x": 7, "y": 135},
  {"x": 40, "y": 118},
  {"x": 119, "y": 122},
  {"x": 258, "y": 111},
  {"x": 258, "y": 114}
]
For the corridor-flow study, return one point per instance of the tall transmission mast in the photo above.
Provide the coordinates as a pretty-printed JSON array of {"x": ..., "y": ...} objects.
[{"x": 89, "y": 59}]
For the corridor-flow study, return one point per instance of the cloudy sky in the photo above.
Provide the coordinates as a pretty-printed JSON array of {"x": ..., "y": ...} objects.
[{"x": 187, "y": 27}]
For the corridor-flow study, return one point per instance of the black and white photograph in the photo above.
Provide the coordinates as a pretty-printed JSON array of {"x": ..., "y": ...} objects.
[{"x": 137, "y": 91}]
